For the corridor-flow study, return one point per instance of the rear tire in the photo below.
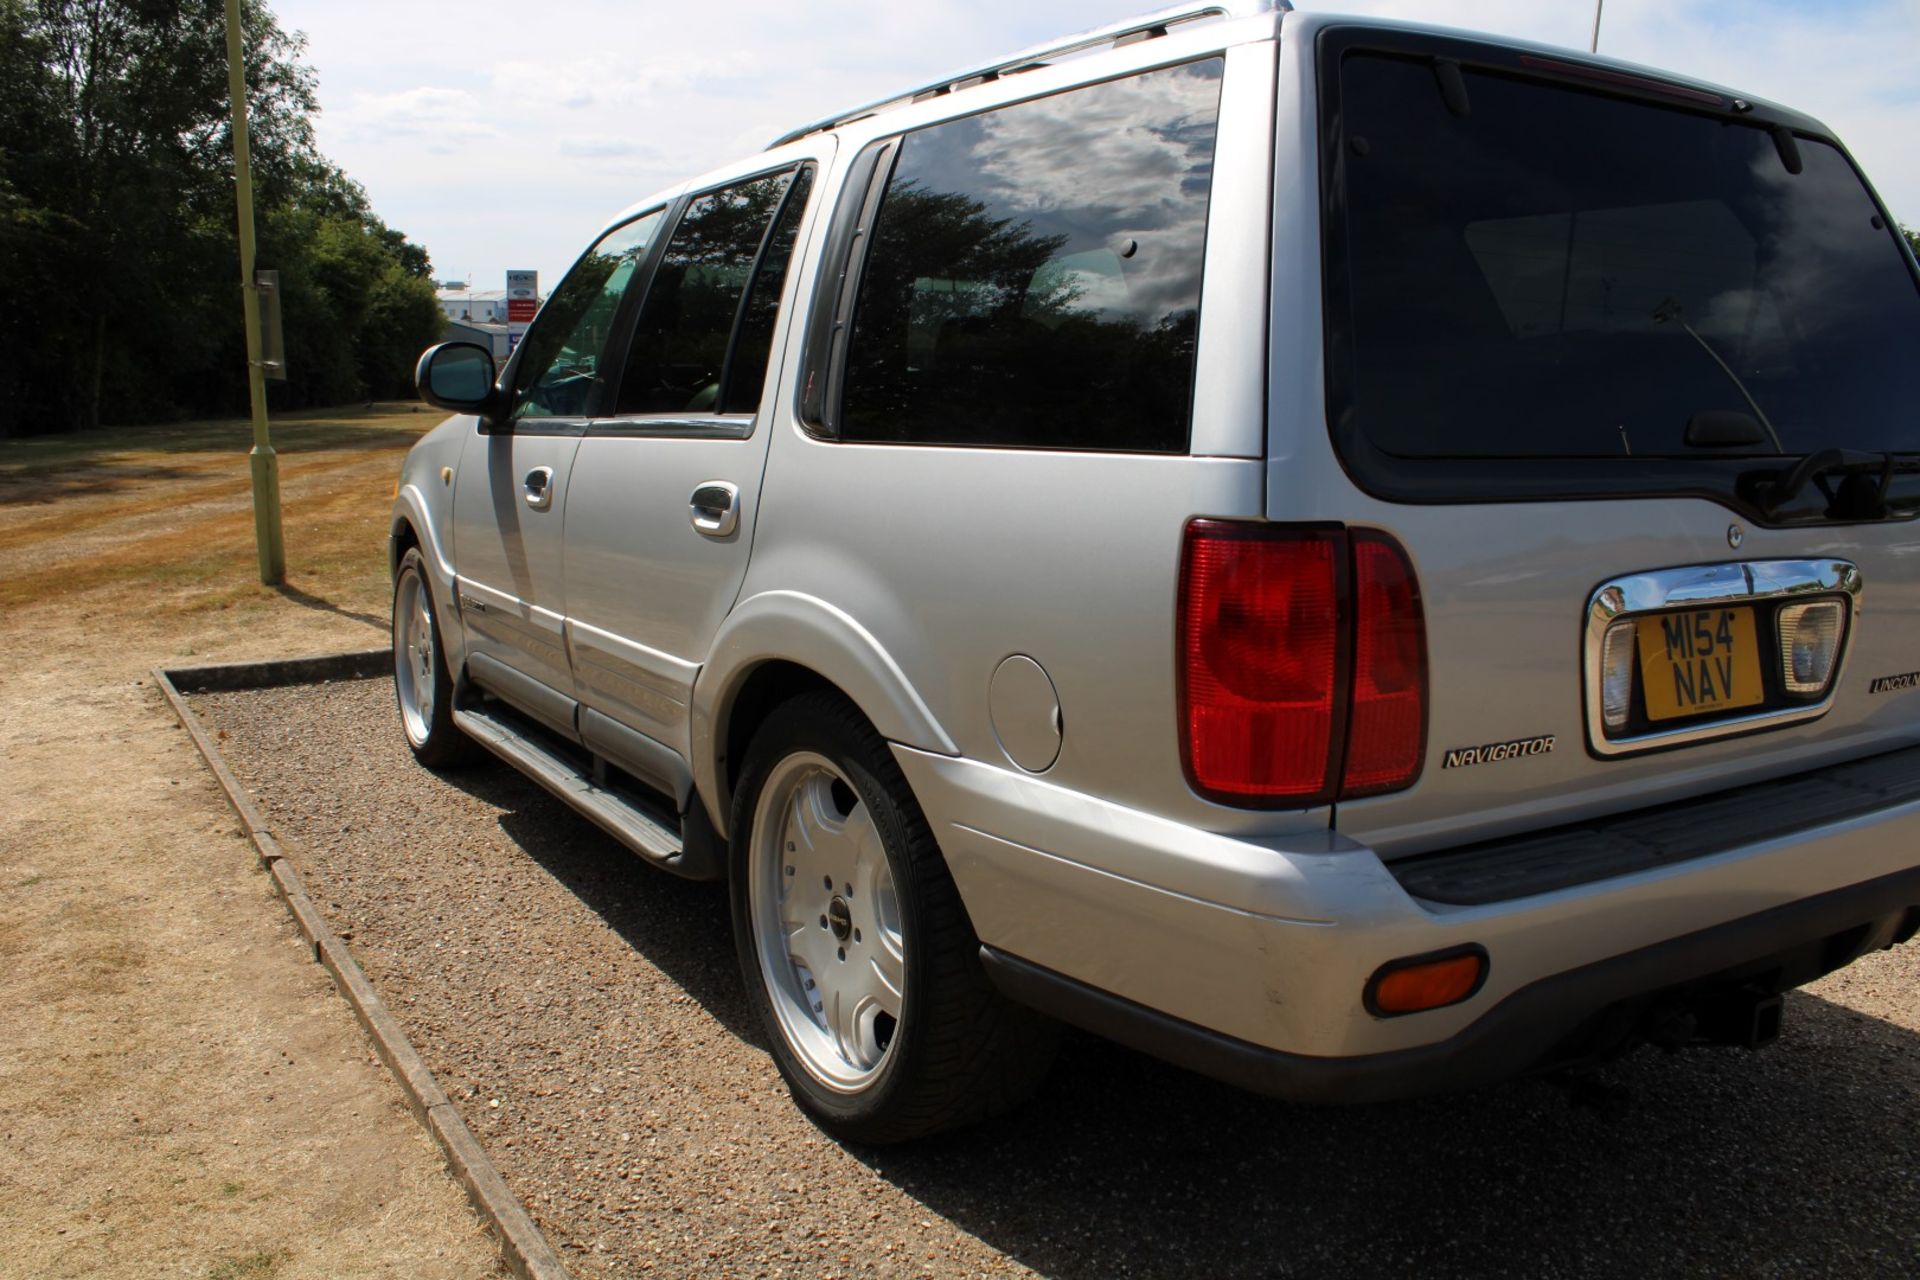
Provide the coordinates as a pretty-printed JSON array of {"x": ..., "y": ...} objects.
[
  {"x": 856, "y": 949},
  {"x": 421, "y": 681}
]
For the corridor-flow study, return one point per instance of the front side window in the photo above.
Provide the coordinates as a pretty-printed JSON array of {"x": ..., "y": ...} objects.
[
  {"x": 561, "y": 367},
  {"x": 1033, "y": 278},
  {"x": 679, "y": 360}
]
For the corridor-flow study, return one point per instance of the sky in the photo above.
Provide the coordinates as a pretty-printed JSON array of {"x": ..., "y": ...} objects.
[{"x": 506, "y": 134}]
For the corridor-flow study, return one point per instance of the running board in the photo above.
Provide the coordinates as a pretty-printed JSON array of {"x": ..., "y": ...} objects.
[{"x": 648, "y": 832}]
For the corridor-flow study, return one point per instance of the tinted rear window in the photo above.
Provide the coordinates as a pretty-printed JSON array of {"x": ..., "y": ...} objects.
[
  {"x": 1034, "y": 275},
  {"x": 1561, "y": 274}
]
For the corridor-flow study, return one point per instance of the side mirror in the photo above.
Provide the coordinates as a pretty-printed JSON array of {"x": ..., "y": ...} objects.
[{"x": 457, "y": 376}]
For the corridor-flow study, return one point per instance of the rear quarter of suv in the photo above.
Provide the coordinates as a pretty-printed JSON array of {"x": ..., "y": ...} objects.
[{"x": 1359, "y": 558}]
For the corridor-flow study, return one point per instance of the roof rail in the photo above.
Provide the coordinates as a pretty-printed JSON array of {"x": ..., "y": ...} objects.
[{"x": 1143, "y": 27}]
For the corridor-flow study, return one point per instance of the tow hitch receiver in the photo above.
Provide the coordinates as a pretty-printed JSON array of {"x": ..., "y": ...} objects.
[{"x": 1745, "y": 1017}]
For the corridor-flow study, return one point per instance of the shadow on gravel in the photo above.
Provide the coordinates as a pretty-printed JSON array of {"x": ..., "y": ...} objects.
[
  {"x": 682, "y": 927},
  {"x": 1798, "y": 1160},
  {"x": 1794, "y": 1160}
]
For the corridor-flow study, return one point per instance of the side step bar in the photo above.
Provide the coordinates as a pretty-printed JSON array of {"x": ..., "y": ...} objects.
[{"x": 653, "y": 832}]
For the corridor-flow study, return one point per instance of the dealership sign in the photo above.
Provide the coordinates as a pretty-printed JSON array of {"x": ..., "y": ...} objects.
[{"x": 523, "y": 299}]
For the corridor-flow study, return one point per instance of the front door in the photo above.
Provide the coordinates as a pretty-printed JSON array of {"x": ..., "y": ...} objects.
[
  {"x": 660, "y": 517},
  {"x": 510, "y": 498}
]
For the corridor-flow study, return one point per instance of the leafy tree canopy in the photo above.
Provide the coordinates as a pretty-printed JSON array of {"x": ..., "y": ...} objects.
[{"x": 117, "y": 222}]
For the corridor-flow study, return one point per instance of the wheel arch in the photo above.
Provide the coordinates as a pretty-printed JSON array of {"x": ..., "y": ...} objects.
[
  {"x": 402, "y": 538},
  {"x": 410, "y": 525},
  {"x": 775, "y": 646}
]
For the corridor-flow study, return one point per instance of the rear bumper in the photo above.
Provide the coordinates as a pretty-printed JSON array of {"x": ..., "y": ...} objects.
[
  {"x": 1521, "y": 1031},
  {"x": 1247, "y": 958}
]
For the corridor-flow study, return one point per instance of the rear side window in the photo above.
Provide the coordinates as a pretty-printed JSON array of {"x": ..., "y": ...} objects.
[
  {"x": 1556, "y": 273},
  {"x": 1033, "y": 274},
  {"x": 684, "y": 358}
]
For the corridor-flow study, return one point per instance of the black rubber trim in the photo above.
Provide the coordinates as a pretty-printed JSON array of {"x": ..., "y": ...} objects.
[
  {"x": 1518, "y": 1033},
  {"x": 1645, "y": 839}
]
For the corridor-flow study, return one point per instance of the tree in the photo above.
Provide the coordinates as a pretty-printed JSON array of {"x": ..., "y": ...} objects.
[{"x": 117, "y": 220}]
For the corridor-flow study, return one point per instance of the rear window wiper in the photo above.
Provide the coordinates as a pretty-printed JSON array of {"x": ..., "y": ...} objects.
[
  {"x": 1860, "y": 496},
  {"x": 1670, "y": 309}
]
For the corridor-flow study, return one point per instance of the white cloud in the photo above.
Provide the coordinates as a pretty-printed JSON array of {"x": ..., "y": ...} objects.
[
  {"x": 448, "y": 115},
  {"x": 505, "y": 134}
]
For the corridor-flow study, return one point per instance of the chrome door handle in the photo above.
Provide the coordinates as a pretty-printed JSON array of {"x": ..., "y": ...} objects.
[
  {"x": 715, "y": 508},
  {"x": 539, "y": 486}
]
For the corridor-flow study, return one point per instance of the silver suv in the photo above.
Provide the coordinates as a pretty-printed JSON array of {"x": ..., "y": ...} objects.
[{"x": 1358, "y": 558}]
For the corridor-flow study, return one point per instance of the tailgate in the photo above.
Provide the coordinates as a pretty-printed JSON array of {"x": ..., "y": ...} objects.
[{"x": 1624, "y": 365}]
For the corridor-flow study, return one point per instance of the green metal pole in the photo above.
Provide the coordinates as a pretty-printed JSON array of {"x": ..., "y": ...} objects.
[{"x": 265, "y": 464}]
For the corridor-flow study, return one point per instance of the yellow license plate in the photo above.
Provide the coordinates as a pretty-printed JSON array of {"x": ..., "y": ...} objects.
[{"x": 1698, "y": 662}]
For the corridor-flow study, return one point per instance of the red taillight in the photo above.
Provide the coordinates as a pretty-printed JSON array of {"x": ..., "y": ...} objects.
[
  {"x": 1387, "y": 732},
  {"x": 1260, "y": 633},
  {"x": 1301, "y": 647}
]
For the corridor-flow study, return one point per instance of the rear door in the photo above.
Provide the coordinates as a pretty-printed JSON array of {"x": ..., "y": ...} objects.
[
  {"x": 661, "y": 510},
  {"x": 510, "y": 499},
  {"x": 1609, "y": 356}
]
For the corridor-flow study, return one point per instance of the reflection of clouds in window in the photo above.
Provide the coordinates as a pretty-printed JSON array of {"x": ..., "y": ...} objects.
[
  {"x": 1818, "y": 230},
  {"x": 1127, "y": 161},
  {"x": 1142, "y": 140},
  {"x": 1034, "y": 274}
]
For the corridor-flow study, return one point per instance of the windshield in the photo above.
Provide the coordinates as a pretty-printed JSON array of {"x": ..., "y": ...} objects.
[{"x": 1555, "y": 273}]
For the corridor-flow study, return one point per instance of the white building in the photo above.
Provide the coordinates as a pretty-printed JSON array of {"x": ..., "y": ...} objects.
[
  {"x": 493, "y": 337},
  {"x": 479, "y": 306}
]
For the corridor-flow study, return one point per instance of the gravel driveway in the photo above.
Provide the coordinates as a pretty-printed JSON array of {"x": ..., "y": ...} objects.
[{"x": 586, "y": 1013}]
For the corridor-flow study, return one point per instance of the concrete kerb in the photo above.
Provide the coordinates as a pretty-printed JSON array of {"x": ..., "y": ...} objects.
[{"x": 525, "y": 1249}]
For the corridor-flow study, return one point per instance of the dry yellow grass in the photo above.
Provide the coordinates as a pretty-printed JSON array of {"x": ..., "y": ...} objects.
[
  {"x": 183, "y": 1093},
  {"x": 164, "y": 511}
]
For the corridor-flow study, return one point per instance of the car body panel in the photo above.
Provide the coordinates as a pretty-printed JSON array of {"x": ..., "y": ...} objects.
[
  {"x": 423, "y": 514},
  {"x": 906, "y": 577},
  {"x": 1272, "y": 940},
  {"x": 649, "y": 589},
  {"x": 509, "y": 555}
]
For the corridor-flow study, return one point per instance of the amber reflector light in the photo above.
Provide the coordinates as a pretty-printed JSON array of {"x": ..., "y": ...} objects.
[{"x": 1412, "y": 986}]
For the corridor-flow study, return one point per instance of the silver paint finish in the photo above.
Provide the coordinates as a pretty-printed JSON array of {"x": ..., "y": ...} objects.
[
  {"x": 1705, "y": 586},
  {"x": 1272, "y": 939},
  {"x": 509, "y": 553},
  {"x": 819, "y": 636},
  {"x": 944, "y": 572},
  {"x": 1229, "y": 401},
  {"x": 651, "y": 578},
  {"x": 906, "y": 576},
  {"x": 1025, "y": 711},
  {"x": 648, "y": 590},
  {"x": 423, "y": 511}
]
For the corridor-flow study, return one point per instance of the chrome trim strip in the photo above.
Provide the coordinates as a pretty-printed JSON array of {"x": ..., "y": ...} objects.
[
  {"x": 1736, "y": 582},
  {"x": 713, "y": 426},
  {"x": 1066, "y": 46}
]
